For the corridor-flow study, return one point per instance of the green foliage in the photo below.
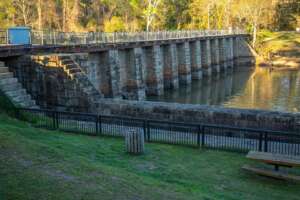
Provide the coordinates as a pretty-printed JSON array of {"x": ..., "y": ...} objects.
[
  {"x": 137, "y": 15},
  {"x": 6, "y": 105},
  {"x": 114, "y": 25}
]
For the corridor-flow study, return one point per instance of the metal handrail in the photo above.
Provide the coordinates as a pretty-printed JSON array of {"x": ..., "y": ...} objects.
[{"x": 71, "y": 38}]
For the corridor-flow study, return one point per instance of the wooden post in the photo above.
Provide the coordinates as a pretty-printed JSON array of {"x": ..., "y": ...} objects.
[{"x": 134, "y": 141}]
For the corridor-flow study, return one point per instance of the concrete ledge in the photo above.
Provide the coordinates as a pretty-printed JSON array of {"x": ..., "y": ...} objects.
[{"x": 190, "y": 113}]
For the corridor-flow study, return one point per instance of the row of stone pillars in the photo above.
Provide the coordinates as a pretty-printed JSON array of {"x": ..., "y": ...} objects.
[{"x": 133, "y": 73}]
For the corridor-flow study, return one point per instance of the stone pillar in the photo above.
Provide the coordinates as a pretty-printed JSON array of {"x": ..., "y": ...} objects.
[
  {"x": 215, "y": 59},
  {"x": 235, "y": 48},
  {"x": 184, "y": 63},
  {"x": 222, "y": 53},
  {"x": 170, "y": 66},
  {"x": 206, "y": 57},
  {"x": 153, "y": 70},
  {"x": 131, "y": 73},
  {"x": 196, "y": 65},
  {"x": 98, "y": 72},
  {"x": 114, "y": 73},
  {"x": 230, "y": 52}
]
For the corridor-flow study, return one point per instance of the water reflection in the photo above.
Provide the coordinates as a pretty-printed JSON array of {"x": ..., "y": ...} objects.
[{"x": 247, "y": 88}]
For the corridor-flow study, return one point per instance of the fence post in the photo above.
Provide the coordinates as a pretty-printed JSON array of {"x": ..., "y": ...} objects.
[
  {"x": 145, "y": 130},
  {"x": 97, "y": 124},
  {"x": 266, "y": 143},
  {"x": 198, "y": 136},
  {"x": 53, "y": 120},
  {"x": 148, "y": 131},
  {"x": 203, "y": 136},
  {"x": 260, "y": 142},
  {"x": 100, "y": 124}
]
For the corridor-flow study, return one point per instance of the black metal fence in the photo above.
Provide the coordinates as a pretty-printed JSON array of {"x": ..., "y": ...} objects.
[{"x": 197, "y": 135}]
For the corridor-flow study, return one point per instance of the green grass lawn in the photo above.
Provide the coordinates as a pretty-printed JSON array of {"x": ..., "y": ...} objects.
[{"x": 40, "y": 164}]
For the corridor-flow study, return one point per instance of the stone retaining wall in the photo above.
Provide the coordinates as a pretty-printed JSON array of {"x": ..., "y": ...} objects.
[{"x": 201, "y": 114}]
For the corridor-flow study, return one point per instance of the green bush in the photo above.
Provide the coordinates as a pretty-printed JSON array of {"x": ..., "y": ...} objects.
[{"x": 6, "y": 106}]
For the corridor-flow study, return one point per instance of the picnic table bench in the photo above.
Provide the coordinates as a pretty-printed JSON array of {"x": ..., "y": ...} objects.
[{"x": 277, "y": 160}]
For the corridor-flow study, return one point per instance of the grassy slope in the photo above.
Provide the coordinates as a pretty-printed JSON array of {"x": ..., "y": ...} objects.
[{"x": 39, "y": 164}]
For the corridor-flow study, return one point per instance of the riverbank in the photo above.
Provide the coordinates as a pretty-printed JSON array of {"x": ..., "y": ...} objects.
[{"x": 280, "y": 50}]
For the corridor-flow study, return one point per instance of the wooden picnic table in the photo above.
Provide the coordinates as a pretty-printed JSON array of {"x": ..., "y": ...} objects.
[{"x": 278, "y": 160}]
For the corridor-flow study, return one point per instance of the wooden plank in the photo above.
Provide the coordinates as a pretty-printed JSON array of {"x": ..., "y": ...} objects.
[
  {"x": 272, "y": 174},
  {"x": 275, "y": 159}
]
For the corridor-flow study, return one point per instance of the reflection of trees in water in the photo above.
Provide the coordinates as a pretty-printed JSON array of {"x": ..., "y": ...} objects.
[
  {"x": 256, "y": 89},
  {"x": 272, "y": 90}
]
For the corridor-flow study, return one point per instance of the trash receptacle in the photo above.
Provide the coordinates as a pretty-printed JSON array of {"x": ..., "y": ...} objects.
[{"x": 19, "y": 35}]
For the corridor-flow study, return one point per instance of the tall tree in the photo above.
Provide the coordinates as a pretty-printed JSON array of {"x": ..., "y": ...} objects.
[
  {"x": 25, "y": 10},
  {"x": 150, "y": 12}
]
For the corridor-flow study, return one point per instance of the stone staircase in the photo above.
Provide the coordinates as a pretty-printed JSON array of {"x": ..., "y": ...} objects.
[
  {"x": 14, "y": 90},
  {"x": 75, "y": 72}
]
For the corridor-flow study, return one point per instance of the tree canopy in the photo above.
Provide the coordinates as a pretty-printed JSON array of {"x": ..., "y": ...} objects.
[{"x": 150, "y": 15}]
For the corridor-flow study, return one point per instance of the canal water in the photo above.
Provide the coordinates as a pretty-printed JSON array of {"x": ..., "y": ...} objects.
[{"x": 253, "y": 88}]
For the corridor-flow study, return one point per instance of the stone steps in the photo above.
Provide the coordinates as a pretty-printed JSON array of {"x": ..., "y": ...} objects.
[
  {"x": 6, "y": 75},
  {"x": 3, "y": 69},
  {"x": 75, "y": 72},
  {"x": 14, "y": 90}
]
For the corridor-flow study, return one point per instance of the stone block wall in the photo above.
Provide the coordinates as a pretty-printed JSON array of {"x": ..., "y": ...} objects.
[
  {"x": 170, "y": 66},
  {"x": 152, "y": 67},
  {"x": 49, "y": 85},
  {"x": 196, "y": 63},
  {"x": 189, "y": 113},
  {"x": 206, "y": 57}
]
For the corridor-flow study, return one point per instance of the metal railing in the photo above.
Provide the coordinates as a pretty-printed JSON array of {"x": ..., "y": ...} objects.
[
  {"x": 74, "y": 38},
  {"x": 60, "y": 38},
  {"x": 196, "y": 135}
]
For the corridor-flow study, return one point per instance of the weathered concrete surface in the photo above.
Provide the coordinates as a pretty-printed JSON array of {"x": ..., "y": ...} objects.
[
  {"x": 184, "y": 63},
  {"x": 51, "y": 86},
  {"x": 170, "y": 66},
  {"x": 153, "y": 70},
  {"x": 201, "y": 114},
  {"x": 215, "y": 56},
  {"x": 196, "y": 63},
  {"x": 206, "y": 57},
  {"x": 131, "y": 82}
]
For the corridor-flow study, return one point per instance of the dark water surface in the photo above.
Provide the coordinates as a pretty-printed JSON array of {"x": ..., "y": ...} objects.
[{"x": 254, "y": 88}]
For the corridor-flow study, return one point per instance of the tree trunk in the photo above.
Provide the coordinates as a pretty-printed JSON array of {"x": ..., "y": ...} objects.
[
  {"x": 74, "y": 21},
  {"x": 254, "y": 35},
  {"x": 40, "y": 15},
  {"x": 65, "y": 15}
]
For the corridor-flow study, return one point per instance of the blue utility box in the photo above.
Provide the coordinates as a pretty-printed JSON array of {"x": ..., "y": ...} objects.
[{"x": 19, "y": 35}]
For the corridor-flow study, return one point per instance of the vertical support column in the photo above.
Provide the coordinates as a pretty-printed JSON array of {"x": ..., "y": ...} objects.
[
  {"x": 153, "y": 70},
  {"x": 206, "y": 57},
  {"x": 222, "y": 53},
  {"x": 115, "y": 73},
  {"x": 235, "y": 48},
  {"x": 98, "y": 72},
  {"x": 184, "y": 63},
  {"x": 215, "y": 59},
  {"x": 229, "y": 52},
  {"x": 170, "y": 66},
  {"x": 132, "y": 84},
  {"x": 196, "y": 65}
]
